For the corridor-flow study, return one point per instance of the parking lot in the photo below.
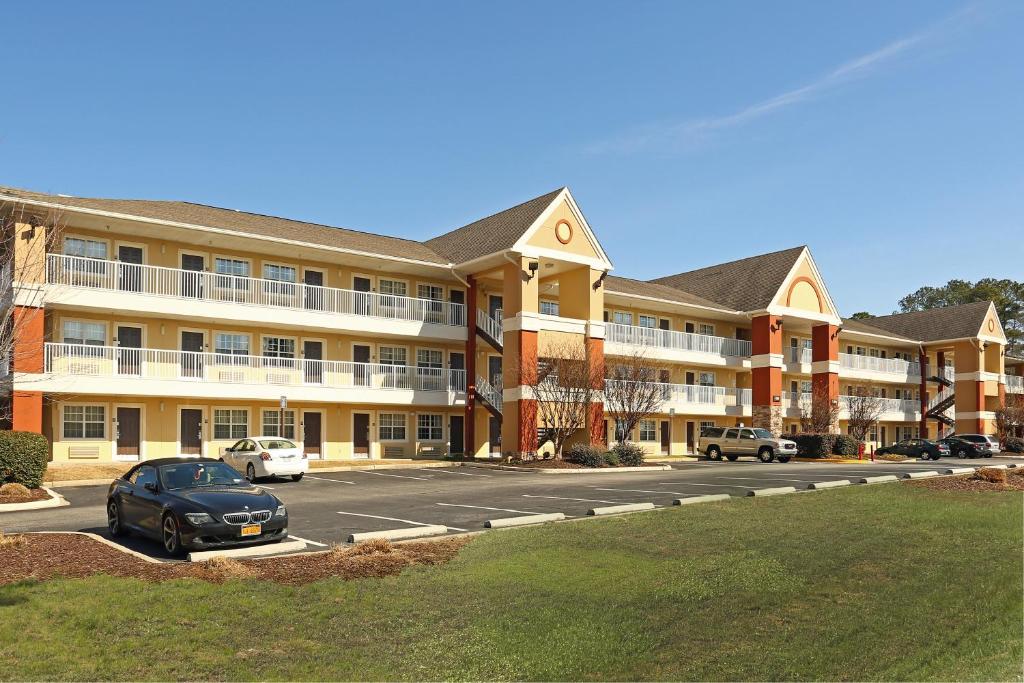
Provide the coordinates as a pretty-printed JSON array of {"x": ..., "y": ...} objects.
[{"x": 324, "y": 508}]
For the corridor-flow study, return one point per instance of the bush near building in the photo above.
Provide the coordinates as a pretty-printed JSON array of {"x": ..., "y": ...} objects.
[
  {"x": 845, "y": 445},
  {"x": 585, "y": 454},
  {"x": 813, "y": 445},
  {"x": 630, "y": 455},
  {"x": 1015, "y": 445},
  {"x": 23, "y": 457}
]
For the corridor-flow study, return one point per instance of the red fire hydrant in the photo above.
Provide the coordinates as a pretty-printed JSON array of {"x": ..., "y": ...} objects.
[{"x": 860, "y": 451}]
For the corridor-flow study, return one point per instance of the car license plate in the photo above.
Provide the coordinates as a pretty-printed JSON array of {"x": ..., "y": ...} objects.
[{"x": 252, "y": 530}]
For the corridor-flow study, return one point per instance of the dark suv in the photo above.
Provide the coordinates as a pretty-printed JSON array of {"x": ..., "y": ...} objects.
[
  {"x": 916, "y": 448},
  {"x": 971, "y": 445}
]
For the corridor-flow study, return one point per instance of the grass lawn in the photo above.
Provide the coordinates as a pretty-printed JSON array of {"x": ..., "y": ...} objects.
[{"x": 881, "y": 582}]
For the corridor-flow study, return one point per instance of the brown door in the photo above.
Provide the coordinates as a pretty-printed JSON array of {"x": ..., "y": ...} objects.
[
  {"x": 666, "y": 437},
  {"x": 128, "y": 432},
  {"x": 456, "y": 429},
  {"x": 129, "y": 268},
  {"x": 192, "y": 281},
  {"x": 314, "y": 298},
  {"x": 129, "y": 357},
  {"x": 191, "y": 431},
  {"x": 664, "y": 324},
  {"x": 494, "y": 434},
  {"x": 690, "y": 378},
  {"x": 363, "y": 301},
  {"x": 312, "y": 437},
  {"x": 457, "y": 378},
  {"x": 361, "y": 373},
  {"x": 361, "y": 433},
  {"x": 192, "y": 354},
  {"x": 690, "y": 441},
  {"x": 312, "y": 356}
]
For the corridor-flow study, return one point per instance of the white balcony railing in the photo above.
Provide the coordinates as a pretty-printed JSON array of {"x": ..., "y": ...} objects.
[
  {"x": 1014, "y": 384},
  {"x": 75, "y": 271},
  {"x": 491, "y": 326},
  {"x": 695, "y": 394},
  {"x": 677, "y": 341},
  {"x": 887, "y": 405},
  {"x": 157, "y": 364},
  {"x": 799, "y": 355},
  {"x": 491, "y": 393},
  {"x": 938, "y": 398},
  {"x": 893, "y": 366}
]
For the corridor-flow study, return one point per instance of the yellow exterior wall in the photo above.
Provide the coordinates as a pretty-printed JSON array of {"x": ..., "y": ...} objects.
[{"x": 545, "y": 237}]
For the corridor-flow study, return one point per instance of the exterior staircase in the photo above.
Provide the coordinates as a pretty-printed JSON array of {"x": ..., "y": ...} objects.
[
  {"x": 940, "y": 404},
  {"x": 489, "y": 396},
  {"x": 489, "y": 329}
]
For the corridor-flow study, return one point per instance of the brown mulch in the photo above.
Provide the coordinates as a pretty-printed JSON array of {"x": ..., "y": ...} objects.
[
  {"x": 972, "y": 483},
  {"x": 72, "y": 471},
  {"x": 44, "y": 556},
  {"x": 33, "y": 495},
  {"x": 565, "y": 465}
]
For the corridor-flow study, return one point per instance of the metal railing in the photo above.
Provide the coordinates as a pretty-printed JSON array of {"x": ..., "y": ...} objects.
[
  {"x": 893, "y": 366},
  {"x": 491, "y": 393},
  {"x": 1014, "y": 384},
  {"x": 491, "y": 326},
  {"x": 694, "y": 393},
  {"x": 940, "y": 397},
  {"x": 887, "y": 405},
  {"x": 76, "y": 271},
  {"x": 799, "y": 355},
  {"x": 224, "y": 368},
  {"x": 679, "y": 341}
]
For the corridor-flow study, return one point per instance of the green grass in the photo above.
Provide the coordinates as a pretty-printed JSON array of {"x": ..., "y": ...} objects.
[{"x": 884, "y": 582}]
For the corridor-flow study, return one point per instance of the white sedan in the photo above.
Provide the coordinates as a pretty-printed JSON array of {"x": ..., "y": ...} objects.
[{"x": 267, "y": 456}]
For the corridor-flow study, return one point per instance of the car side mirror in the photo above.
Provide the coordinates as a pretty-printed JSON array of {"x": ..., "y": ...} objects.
[{"x": 150, "y": 486}]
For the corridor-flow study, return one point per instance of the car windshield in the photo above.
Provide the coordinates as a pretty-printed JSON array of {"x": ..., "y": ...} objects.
[
  {"x": 271, "y": 444},
  {"x": 762, "y": 434},
  {"x": 190, "y": 475}
]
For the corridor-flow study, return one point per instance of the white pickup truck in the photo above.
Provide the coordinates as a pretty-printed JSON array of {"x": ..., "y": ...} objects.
[{"x": 732, "y": 442}]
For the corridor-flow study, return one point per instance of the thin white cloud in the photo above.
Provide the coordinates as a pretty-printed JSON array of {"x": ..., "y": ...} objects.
[{"x": 861, "y": 67}]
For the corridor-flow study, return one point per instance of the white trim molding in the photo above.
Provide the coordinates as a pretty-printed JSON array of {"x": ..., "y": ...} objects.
[
  {"x": 822, "y": 366},
  {"x": 980, "y": 376},
  {"x": 767, "y": 360}
]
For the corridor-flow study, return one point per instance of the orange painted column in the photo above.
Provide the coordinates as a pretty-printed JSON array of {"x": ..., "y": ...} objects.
[
  {"x": 923, "y": 362},
  {"x": 527, "y": 413},
  {"x": 979, "y": 398},
  {"x": 469, "y": 426},
  {"x": 595, "y": 412},
  {"x": 766, "y": 372},
  {"x": 825, "y": 364},
  {"x": 27, "y": 406}
]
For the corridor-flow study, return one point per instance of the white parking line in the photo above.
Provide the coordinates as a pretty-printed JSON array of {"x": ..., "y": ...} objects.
[
  {"x": 395, "y": 519},
  {"x": 807, "y": 481},
  {"x": 675, "y": 493},
  {"x": 336, "y": 481},
  {"x": 397, "y": 476},
  {"x": 693, "y": 483},
  {"x": 438, "y": 470},
  {"x": 306, "y": 540},
  {"x": 481, "y": 507},
  {"x": 585, "y": 500}
]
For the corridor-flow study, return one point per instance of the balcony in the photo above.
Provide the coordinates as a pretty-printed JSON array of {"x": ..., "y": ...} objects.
[
  {"x": 699, "y": 400},
  {"x": 892, "y": 409},
  {"x": 1014, "y": 384},
  {"x": 154, "y": 290},
  {"x": 880, "y": 369},
  {"x": 678, "y": 346},
  {"x": 85, "y": 369}
]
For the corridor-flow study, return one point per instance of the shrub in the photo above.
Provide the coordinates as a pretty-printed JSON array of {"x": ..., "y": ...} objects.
[
  {"x": 585, "y": 454},
  {"x": 845, "y": 445},
  {"x": 814, "y": 445},
  {"x": 1015, "y": 445},
  {"x": 630, "y": 455},
  {"x": 23, "y": 457},
  {"x": 611, "y": 458},
  {"x": 992, "y": 475},
  {"x": 16, "y": 541},
  {"x": 14, "y": 490},
  {"x": 226, "y": 568}
]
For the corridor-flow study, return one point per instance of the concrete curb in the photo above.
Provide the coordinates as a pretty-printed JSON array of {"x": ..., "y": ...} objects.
[
  {"x": 919, "y": 475},
  {"x": 778, "y": 491},
  {"x": 616, "y": 509},
  {"x": 958, "y": 470},
  {"x": 104, "y": 541},
  {"x": 994, "y": 467},
  {"x": 878, "y": 480},
  {"x": 525, "y": 520},
  {"x": 834, "y": 461},
  {"x": 829, "y": 484},
  {"x": 701, "y": 499},
  {"x": 54, "y": 501},
  {"x": 398, "y": 534},
  {"x": 251, "y": 551},
  {"x": 582, "y": 470}
]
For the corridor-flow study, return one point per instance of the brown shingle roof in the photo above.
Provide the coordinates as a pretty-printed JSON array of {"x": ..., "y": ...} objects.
[
  {"x": 248, "y": 223},
  {"x": 936, "y": 324},
  {"x": 623, "y": 285},
  {"x": 748, "y": 284},
  {"x": 492, "y": 234},
  {"x": 864, "y": 326}
]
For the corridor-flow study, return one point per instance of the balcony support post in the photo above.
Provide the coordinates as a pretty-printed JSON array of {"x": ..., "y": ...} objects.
[
  {"x": 519, "y": 359},
  {"x": 595, "y": 411},
  {"x": 825, "y": 366},
  {"x": 923, "y": 362},
  {"x": 469, "y": 424},
  {"x": 766, "y": 372},
  {"x": 29, "y": 338}
]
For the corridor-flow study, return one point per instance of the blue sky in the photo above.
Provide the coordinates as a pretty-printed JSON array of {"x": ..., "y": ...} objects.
[{"x": 879, "y": 133}]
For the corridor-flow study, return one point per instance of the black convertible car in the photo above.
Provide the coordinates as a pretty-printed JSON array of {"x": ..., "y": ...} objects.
[{"x": 193, "y": 503}]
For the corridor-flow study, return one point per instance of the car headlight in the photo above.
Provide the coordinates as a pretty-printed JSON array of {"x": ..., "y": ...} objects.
[
  {"x": 198, "y": 518},
  {"x": 281, "y": 511}
]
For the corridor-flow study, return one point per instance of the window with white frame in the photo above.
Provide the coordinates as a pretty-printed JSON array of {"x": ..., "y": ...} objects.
[
  {"x": 429, "y": 358},
  {"x": 79, "y": 332},
  {"x": 874, "y": 353},
  {"x": 231, "y": 266},
  {"x": 648, "y": 321},
  {"x": 706, "y": 329},
  {"x": 706, "y": 379},
  {"x": 806, "y": 387},
  {"x": 648, "y": 430},
  {"x": 432, "y": 292},
  {"x": 84, "y": 422},
  {"x": 620, "y": 430},
  {"x": 622, "y": 318},
  {"x": 706, "y": 424},
  {"x": 272, "y": 423},
  {"x": 230, "y": 423},
  {"x": 549, "y": 307},
  {"x": 391, "y": 355},
  {"x": 279, "y": 347},
  {"x": 279, "y": 273},
  {"x": 429, "y": 428},
  {"x": 229, "y": 344},
  {"x": 392, "y": 287},
  {"x": 391, "y": 426},
  {"x": 77, "y": 246}
]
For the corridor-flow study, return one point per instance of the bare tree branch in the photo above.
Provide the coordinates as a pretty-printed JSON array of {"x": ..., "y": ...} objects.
[
  {"x": 863, "y": 409},
  {"x": 632, "y": 393}
]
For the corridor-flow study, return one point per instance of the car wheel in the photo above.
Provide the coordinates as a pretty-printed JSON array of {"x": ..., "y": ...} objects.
[
  {"x": 766, "y": 455},
  {"x": 783, "y": 458},
  {"x": 988, "y": 455},
  {"x": 961, "y": 453},
  {"x": 732, "y": 458},
  {"x": 714, "y": 453},
  {"x": 250, "y": 472},
  {"x": 114, "y": 524},
  {"x": 171, "y": 535},
  {"x": 297, "y": 477}
]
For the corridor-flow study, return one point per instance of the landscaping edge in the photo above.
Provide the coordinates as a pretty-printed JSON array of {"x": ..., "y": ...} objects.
[{"x": 54, "y": 501}]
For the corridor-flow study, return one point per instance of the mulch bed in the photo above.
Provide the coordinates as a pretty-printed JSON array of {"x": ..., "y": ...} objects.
[
  {"x": 565, "y": 465},
  {"x": 33, "y": 495},
  {"x": 972, "y": 483},
  {"x": 43, "y": 556}
]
